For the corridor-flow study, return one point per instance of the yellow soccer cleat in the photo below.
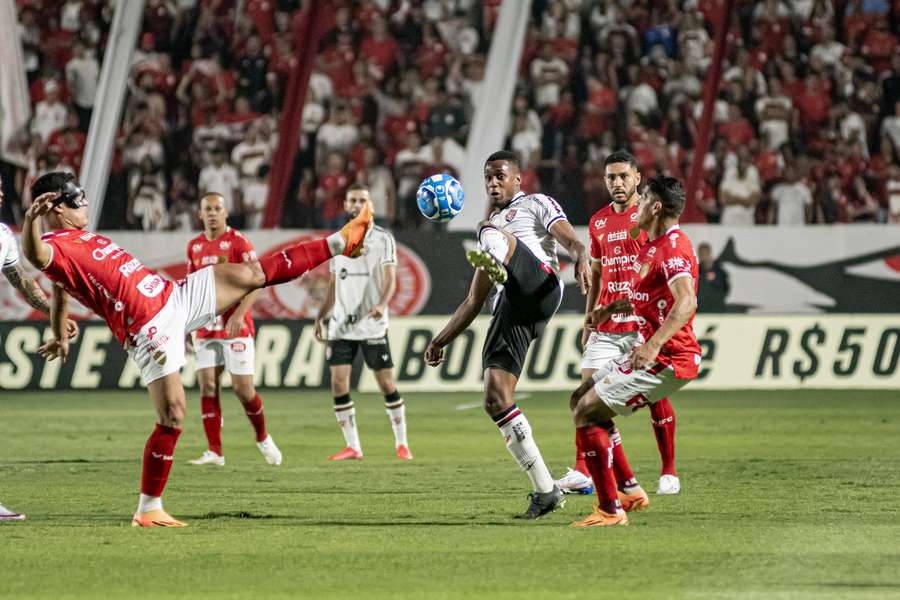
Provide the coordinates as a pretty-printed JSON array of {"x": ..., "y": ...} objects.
[
  {"x": 601, "y": 518},
  {"x": 156, "y": 518},
  {"x": 635, "y": 501}
]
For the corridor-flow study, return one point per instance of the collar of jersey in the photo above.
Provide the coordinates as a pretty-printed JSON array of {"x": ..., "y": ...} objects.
[{"x": 519, "y": 195}]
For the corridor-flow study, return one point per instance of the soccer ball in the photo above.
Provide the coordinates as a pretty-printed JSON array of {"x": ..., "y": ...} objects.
[{"x": 440, "y": 197}]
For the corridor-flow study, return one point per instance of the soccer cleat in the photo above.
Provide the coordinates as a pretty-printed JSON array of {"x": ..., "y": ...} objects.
[
  {"x": 403, "y": 453},
  {"x": 270, "y": 451},
  {"x": 483, "y": 261},
  {"x": 347, "y": 453},
  {"x": 209, "y": 458},
  {"x": 601, "y": 518},
  {"x": 543, "y": 503},
  {"x": 575, "y": 482},
  {"x": 8, "y": 515},
  {"x": 635, "y": 500},
  {"x": 355, "y": 231},
  {"x": 668, "y": 485},
  {"x": 155, "y": 518}
]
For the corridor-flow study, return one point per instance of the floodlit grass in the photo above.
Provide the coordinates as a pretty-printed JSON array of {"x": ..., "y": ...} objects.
[{"x": 785, "y": 495}]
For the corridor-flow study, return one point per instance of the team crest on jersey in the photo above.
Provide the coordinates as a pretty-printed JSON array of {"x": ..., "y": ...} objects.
[
  {"x": 196, "y": 247},
  {"x": 511, "y": 215},
  {"x": 645, "y": 268}
]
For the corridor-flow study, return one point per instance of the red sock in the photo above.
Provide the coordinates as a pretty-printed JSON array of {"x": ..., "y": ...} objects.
[
  {"x": 158, "y": 459},
  {"x": 597, "y": 451},
  {"x": 212, "y": 422},
  {"x": 621, "y": 468},
  {"x": 662, "y": 416},
  {"x": 254, "y": 411},
  {"x": 295, "y": 260},
  {"x": 580, "y": 465}
]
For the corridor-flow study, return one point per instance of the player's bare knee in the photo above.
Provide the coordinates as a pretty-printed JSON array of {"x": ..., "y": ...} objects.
[
  {"x": 245, "y": 392},
  {"x": 209, "y": 388},
  {"x": 495, "y": 402}
]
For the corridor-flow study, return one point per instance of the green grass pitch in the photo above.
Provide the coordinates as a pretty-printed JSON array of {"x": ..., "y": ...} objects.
[{"x": 785, "y": 495}]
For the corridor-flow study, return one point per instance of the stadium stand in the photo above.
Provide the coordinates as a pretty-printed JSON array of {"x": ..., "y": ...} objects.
[{"x": 807, "y": 119}]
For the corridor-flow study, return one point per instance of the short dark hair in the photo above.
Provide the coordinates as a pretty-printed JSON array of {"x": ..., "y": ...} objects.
[
  {"x": 622, "y": 156},
  {"x": 54, "y": 181},
  {"x": 670, "y": 193},
  {"x": 507, "y": 155},
  {"x": 357, "y": 185}
]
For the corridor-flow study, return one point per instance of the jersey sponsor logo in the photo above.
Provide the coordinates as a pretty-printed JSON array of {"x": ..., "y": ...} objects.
[
  {"x": 130, "y": 267},
  {"x": 633, "y": 216},
  {"x": 210, "y": 260},
  {"x": 87, "y": 236},
  {"x": 104, "y": 251},
  {"x": 617, "y": 236},
  {"x": 600, "y": 223},
  {"x": 223, "y": 245},
  {"x": 151, "y": 286},
  {"x": 618, "y": 286},
  {"x": 677, "y": 263},
  {"x": 618, "y": 261},
  {"x": 639, "y": 296},
  {"x": 674, "y": 239},
  {"x": 238, "y": 346},
  {"x": 651, "y": 251}
]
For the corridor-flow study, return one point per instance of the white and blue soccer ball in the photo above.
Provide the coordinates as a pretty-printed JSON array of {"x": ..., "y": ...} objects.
[{"x": 440, "y": 197}]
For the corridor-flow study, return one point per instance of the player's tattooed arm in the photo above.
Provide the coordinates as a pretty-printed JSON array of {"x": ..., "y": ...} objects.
[
  {"x": 461, "y": 319},
  {"x": 565, "y": 234},
  {"x": 28, "y": 287}
]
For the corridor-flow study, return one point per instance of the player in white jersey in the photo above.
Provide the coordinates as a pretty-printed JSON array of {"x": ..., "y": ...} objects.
[
  {"x": 357, "y": 312},
  {"x": 33, "y": 295},
  {"x": 517, "y": 252}
]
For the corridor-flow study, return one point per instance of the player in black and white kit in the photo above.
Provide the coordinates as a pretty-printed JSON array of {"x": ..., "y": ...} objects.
[
  {"x": 357, "y": 304},
  {"x": 33, "y": 295},
  {"x": 517, "y": 253}
]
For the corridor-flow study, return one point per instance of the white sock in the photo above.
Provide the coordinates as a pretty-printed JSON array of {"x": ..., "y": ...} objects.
[
  {"x": 346, "y": 418},
  {"x": 396, "y": 412},
  {"x": 336, "y": 243},
  {"x": 148, "y": 503},
  {"x": 520, "y": 443},
  {"x": 494, "y": 243}
]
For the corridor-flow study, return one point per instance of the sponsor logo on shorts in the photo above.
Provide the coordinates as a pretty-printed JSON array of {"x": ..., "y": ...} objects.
[
  {"x": 159, "y": 357},
  {"x": 238, "y": 346}
]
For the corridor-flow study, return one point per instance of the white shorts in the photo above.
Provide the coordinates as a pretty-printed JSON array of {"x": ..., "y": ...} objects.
[
  {"x": 237, "y": 355},
  {"x": 158, "y": 347},
  {"x": 625, "y": 390},
  {"x": 604, "y": 347}
]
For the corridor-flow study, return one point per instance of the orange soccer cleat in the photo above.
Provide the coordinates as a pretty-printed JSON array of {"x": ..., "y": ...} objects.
[
  {"x": 355, "y": 231},
  {"x": 347, "y": 453},
  {"x": 601, "y": 518},
  {"x": 156, "y": 518},
  {"x": 637, "y": 500},
  {"x": 403, "y": 453}
]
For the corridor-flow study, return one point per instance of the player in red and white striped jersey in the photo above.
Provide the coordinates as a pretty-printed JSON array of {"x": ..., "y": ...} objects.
[
  {"x": 150, "y": 315},
  {"x": 663, "y": 298},
  {"x": 228, "y": 343}
]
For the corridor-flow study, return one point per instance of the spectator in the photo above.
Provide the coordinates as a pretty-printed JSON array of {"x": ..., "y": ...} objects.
[
  {"x": 255, "y": 194},
  {"x": 339, "y": 133},
  {"x": 182, "y": 198},
  {"x": 249, "y": 155},
  {"x": 83, "y": 73},
  {"x": 713, "y": 287},
  {"x": 146, "y": 197},
  {"x": 222, "y": 178},
  {"x": 792, "y": 201},
  {"x": 381, "y": 185},
  {"x": 525, "y": 142},
  {"x": 773, "y": 113},
  {"x": 890, "y": 134},
  {"x": 548, "y": 75},
  {"x": 892, "y": 188},
  {"x": 252, "y": 75},
  {"x": 331, "y": 189},
  {"x": 447, "y": 118},
  {"x": 50, "y": 113},
  {"x": 68, "y": 144},
  {"x": 740, "y": 191}
]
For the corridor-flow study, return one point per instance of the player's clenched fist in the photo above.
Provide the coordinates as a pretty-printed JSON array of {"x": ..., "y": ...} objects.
[
  {"x": 434, "y": 355},
  {"x": 55, "y": 349}
]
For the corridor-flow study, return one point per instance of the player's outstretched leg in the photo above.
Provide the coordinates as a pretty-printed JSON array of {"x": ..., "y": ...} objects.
[
  {"x": 345, "y": 414},
  {"x": 662, "y": 416},
  {"x": 167, "y": 395},
  {"x": 9, "y": 515},
  {"x": 494, "y": 251},
  {"x": 253, "y": 408}
]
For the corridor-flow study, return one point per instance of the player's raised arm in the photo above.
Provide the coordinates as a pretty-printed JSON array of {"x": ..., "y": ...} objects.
[
  {"x": 461, "y": 319},
  {"x": 564, "y": 233},
  {"x": 35, "y": 250},
  {"x": 643, "y": 356}
]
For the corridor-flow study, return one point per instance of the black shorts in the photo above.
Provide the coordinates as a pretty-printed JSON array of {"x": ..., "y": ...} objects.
[
  {"x": 375, "y": 351},
  {"x": 529, "y": 299}
]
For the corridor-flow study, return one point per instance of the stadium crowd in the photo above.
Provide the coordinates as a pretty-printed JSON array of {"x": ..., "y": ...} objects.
[{"x": 806, "y": 123}]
